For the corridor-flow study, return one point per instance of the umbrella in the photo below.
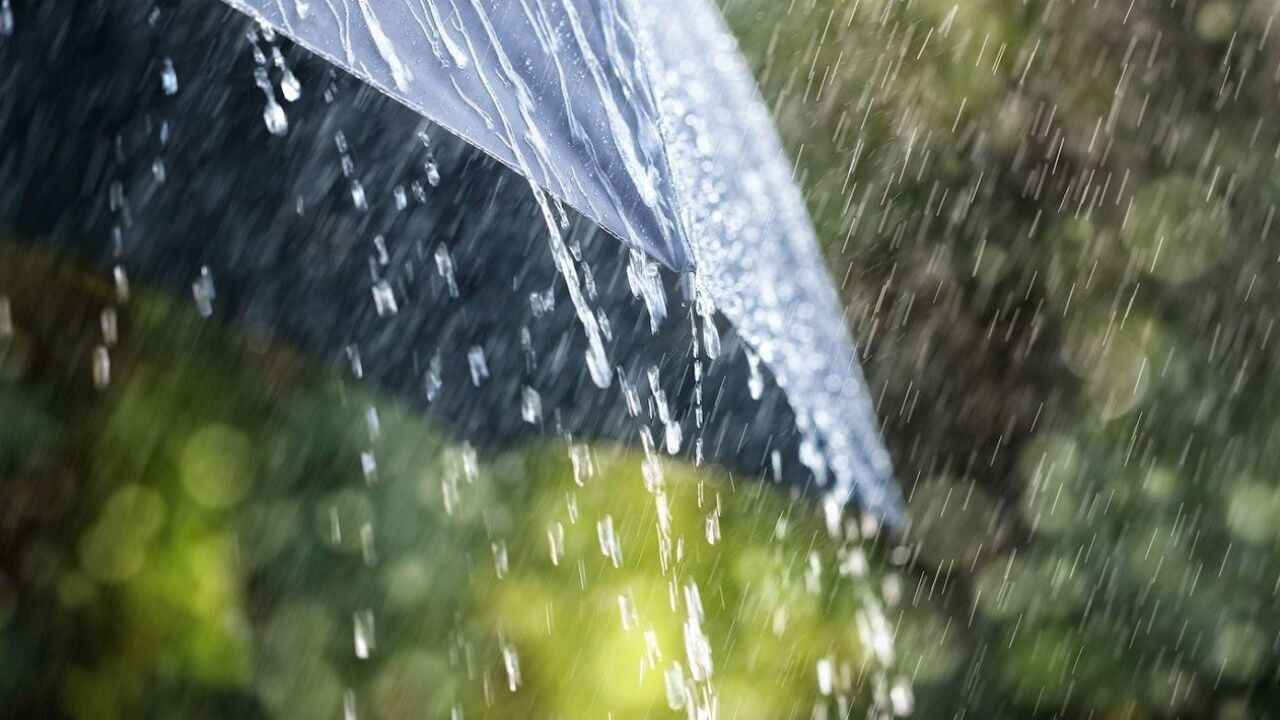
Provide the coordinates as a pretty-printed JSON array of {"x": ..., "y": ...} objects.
[{"x": 378, "y": 224}]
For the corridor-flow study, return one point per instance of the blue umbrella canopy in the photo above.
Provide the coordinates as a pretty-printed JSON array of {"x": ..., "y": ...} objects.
[{"x": 640, "y": 118}]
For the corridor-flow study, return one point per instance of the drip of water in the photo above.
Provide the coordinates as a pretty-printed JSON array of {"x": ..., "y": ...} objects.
[
  {"x": 203, "y": 292},
  {"x": 6, "y": 19},
  {"x": 101, "y": 367},
  {"x": 168, "y": 77},
  {"x": 478, "y": 365},
  {"x": 384, "y": 299}
]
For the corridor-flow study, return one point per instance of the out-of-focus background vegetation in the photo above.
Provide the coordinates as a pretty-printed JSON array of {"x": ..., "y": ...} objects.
[{"x": 1052, "y": 224}]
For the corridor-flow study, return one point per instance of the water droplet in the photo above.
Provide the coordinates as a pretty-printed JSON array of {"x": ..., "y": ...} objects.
[
  {"x": 755, "y": 379},
  {"x": 101, "y": 367},
  {"x": 501, "y": 560},
  {"x": 433, "y": 380},
  {"x": 369, "y": 466},
  {"x": 384, "y": 299},
  {"x": 555, "y": 538},
  {"x": 335, "y": 527},
  {"x": 710, "y": 337},
  {"x": 368, "y": 552},
  {"x": 598, "y": 366},
  {"x": 673, "y": 677},
  {"x": 901, "y": 699},
  {"x": 358, "y": 197},
  {"x": 646, "y": 284},
  {"x": 6, "y": 18},
  {"x": 122, "y": 284},
  {"x": 479, "y": 366},
  {"x": 511, "y": 661},
  {"x": 713, "y": 527},
  {"x": 672, "y": 436},
  {"x": 357, "y": 365},
  {"x": 627, "y": 609},
  {"x": 290, "y": 86},
  {"x": 826, "y": 676},
  {"x": 168, "y": 77},
  {"x": 349, "y": 705},
  {"x": 610, "y": 547},
  {"x": 530, "y": 405},
  {"x": 444, "y": 266},
  {"x": 277, "y": 122},
  {"x": 363, "y": 631},
  {"x": 110, "y": 327},
  {"x": 203, "y": 292},
  {"x": 542, "y": 303}
]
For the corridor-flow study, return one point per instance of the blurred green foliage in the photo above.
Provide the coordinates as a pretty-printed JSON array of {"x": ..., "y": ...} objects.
[{"x": 1054, "y": 222}]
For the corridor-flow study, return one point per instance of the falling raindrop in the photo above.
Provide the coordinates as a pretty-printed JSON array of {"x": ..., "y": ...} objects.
[
  {"x": 369, "y": 466},
  {"x": 478, "y": 365},
  {"x": 555, "y": 538},
  {"x": 432, "y": 379},
  {"x": 826, "y": 676},
  {"x": 713, "y": 526},
  {"x": 108, "y": 322},
  {"x": 673, "y": 679},
  {"x": 368, "y": 553},
  {"x": 363, "y": 631},
  {"x": 277, "y": 122},
  {"x": 511, "y": 662},
  {"x": 290, "y": 86},
  {"x": 355, "y": 361},
  {"x": 101, "y": 367},
  {"x": 901, "y": 699},
  {"x": 168, "y": 77},
  {"x": 384, "y": 299},
  {"x": 6, "y": 19},
  {"x": 203, "y": 292},
  {"x": 501, "y": 559},
  {"x": 610, "y": 546},
  {"x": 542, "y": 303},
  {"x": 646, "y": 284},
  {"x": 349, "y": 706},
  {"x": 358, "y": 197},
  {"x": 755, "y": 378},
  {"x": 121, "y": 283},
  {"x": 627, "y": 609},
  {"x": 444, "y": 266},
  {"x": 530, "y": 405}
]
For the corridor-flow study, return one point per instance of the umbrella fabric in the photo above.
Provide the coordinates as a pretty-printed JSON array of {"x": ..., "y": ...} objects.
[{"x": 308, "y": 230}]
